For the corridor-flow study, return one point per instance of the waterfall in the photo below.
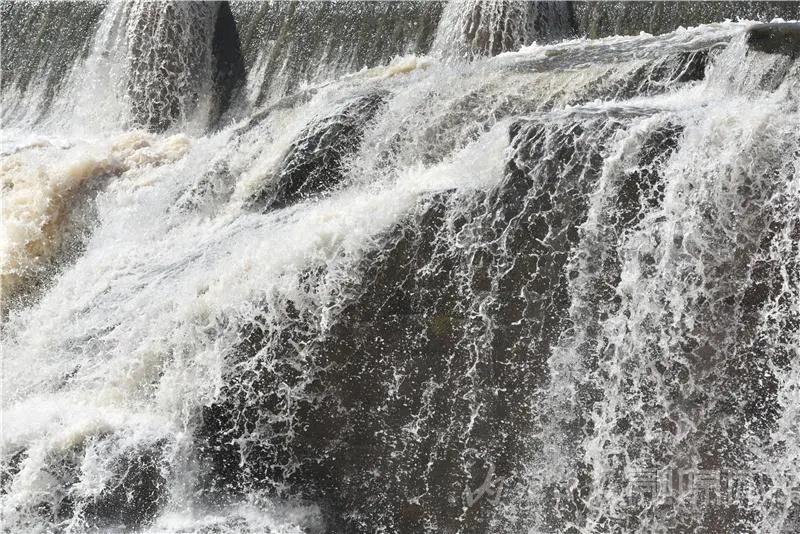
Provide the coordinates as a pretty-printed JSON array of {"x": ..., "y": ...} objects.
[
  {"x": 311, "y": 267},
  {"x": 149, "y": 65},
  {"x": 490, "y": 27},
  {"x": 289, "y": 44}
]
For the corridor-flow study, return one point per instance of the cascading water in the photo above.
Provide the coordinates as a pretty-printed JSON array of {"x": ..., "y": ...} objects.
[
  {"x": 476, "y": 27},
  {"x": 251, "y": 286}
]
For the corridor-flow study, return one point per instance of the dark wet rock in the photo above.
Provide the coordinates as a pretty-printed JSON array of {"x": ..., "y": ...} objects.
[
  {"x": 683, "y": 67},
  {"x": 642, "y": 190},
  {"x": 229, "y": 70},
  {"x": 60, "y": 471},
  {"x": 314, "y": 162},
  {"x": 650, "y": 78},
  {"x": 130, "y": 498},
  {"x": 217, "y": 184},
  {"x": 462, "y": 120},
  {"x": 775, "y": 38},
  {"x": 9, "y": 468},
  {"x": 769, "y": 59},
  {"x": 135, "y": 493},
  {"x": 426, "y": 375},
  {"x": 738, "y": 385}
]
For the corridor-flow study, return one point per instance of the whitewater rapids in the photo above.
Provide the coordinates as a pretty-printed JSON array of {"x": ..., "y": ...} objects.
[{"x": 576, "y": 261}]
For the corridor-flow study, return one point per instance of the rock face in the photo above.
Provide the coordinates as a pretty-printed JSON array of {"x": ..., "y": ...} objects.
[
  {"x": 775, "y": 38},
  {"x": 314, "y": 161},
  {"x": 129, "y": 488},
  {"x": 135, "y": 493},
  {"x": 423, "y": 384},
  {"x": 229, "y": 71}
]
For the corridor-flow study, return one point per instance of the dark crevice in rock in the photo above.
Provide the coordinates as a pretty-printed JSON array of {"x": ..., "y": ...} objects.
[
  {"x": 229, "y": 71},
  {"x": 314, "y": 162}
]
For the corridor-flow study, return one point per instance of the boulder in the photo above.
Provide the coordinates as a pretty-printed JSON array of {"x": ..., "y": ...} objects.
[
  {"x": 775, "y": 38},
  {"x": 314, "y": 161}
]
